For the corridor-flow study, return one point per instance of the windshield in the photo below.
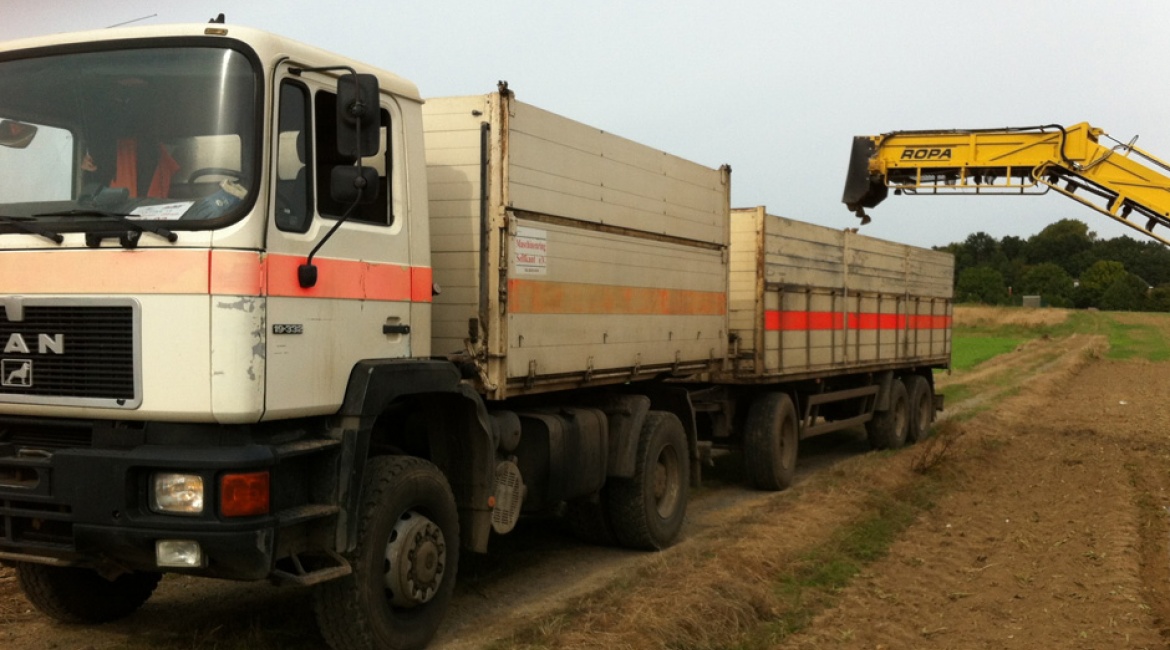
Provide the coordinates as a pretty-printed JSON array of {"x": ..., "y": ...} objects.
[{"x": 151, "y": 134}]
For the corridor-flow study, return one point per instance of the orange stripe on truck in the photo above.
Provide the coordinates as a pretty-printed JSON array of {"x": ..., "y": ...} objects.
[
  {"x": 203, "y": 272},
  {"x": 545, "y": 297},
  {"x": 800, "y": 321},
  {"x": 142, "y": 271}
]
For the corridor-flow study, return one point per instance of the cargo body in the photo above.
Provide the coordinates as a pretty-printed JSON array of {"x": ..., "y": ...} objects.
[
  {"x": 567, "y": 255},
  {"x": 305, "y": 326},
  {"x": 807, "y": 300}
]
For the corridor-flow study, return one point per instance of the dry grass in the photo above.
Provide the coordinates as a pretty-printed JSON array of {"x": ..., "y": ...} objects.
[
  {"x": 752, "y": 579},
  {"x": 936, "y": 449},
  {"x": 983, "y": 316},
  {"x": 13, "y": 606}
]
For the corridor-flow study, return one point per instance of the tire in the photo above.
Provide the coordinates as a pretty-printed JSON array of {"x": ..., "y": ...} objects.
[
  {"x": 921, "y": 407},
  {"x": 587, "y": 521},
  {"x": 404, "y": 499},
  {"x": 647, "y": 510},
  {"x": 888, "y": 429},
  {"x": 77, "y": 595},
  {"x": 771, "y": 436}
]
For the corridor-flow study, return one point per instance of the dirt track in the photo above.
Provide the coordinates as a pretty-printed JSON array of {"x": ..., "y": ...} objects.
[{"x": 1048, "y": 530}]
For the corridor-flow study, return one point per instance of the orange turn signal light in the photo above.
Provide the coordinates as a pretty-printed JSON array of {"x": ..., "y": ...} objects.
[{"x": 244, "y": 495}]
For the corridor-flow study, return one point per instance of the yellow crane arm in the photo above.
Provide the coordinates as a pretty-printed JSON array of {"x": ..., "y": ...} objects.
[{"x": 1118, "y": 180}]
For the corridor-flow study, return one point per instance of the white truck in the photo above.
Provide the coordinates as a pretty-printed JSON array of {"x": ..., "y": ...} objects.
[{"x": 267, "y": 314}]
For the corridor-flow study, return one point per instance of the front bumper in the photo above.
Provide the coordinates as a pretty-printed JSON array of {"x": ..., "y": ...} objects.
[{"x": 87, "y": 506}]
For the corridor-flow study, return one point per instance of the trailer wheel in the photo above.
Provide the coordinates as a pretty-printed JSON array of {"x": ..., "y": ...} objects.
[
  {"x": 647, "y": 510},
  {"x": 888, "y": 429},
  {"x": 404, "y": 564},
  {"x": 921, "y": 407},
  {"x": 78, "y": 595},
  {"x": 771, "y": 436}
]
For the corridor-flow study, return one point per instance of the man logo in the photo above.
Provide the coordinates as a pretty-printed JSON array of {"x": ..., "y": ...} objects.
[{"x": 16, "y": 373}]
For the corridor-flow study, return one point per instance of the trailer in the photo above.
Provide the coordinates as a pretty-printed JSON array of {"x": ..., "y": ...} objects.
[{"x": 269, "y": 315}]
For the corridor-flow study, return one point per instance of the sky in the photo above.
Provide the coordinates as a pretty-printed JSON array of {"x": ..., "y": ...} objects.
[{"x": 775, "y": 88}]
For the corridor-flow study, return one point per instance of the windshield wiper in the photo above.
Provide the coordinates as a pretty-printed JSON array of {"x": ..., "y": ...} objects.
[
  {"x": 22, "y": 224},
  {"x": 140, "y": 226}
]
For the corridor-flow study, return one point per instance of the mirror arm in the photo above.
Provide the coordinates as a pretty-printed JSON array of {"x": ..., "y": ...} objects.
[{"x": 307, "y": 272}]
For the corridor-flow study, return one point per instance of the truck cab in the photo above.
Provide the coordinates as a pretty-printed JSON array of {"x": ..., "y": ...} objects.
[
  {"x": 139, "y": 177},
  {"x": 169, "y": 369}
]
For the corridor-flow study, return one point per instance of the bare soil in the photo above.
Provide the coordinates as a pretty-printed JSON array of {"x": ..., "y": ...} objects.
[{"x": 1049, "y": 528}]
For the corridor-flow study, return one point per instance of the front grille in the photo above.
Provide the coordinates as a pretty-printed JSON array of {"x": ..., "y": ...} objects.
[
  {"x": 64, "y": 353},
  {"x": 30, "y": 524}
]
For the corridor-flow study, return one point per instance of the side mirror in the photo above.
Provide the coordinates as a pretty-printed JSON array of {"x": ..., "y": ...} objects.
[
  {"x": 352, "y": 184},
  {"x": 357, "y": 100},
  {"x": 18, "y": 135}
]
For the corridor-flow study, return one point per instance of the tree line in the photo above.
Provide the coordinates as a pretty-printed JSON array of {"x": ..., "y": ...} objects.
[{"x": 1067, "y": 266}]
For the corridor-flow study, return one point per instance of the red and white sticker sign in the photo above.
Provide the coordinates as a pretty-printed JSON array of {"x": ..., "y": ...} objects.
[{"x": 530, "y": 251}]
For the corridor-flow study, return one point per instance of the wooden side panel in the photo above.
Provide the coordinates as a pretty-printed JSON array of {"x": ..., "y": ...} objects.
[
  {"x": 835, "y": 300},
  {"x": 452, "y": 134},
  {"x": 604, "y": 303},
  {"x": 564, "y": 168},
  {"x": 745, "y": 285},
  {"x": 606, "y": 260},
  {"x": 801, "y": 254}
]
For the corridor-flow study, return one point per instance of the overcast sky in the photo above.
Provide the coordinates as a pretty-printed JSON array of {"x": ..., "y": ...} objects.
[{"x": 776, "y": 89}]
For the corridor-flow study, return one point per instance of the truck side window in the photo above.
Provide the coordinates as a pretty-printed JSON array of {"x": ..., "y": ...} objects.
[
  {"x": 327, "y": 157},
  {"x": 294, "y": 195}
]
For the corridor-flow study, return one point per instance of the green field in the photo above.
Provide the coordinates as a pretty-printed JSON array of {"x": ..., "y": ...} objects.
[{"x": 1130, "y": 335}]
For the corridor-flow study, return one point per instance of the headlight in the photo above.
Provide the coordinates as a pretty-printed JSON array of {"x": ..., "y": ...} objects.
[
  {"x": 178, "y": 494},
  {"x": 178, "y": 553}
]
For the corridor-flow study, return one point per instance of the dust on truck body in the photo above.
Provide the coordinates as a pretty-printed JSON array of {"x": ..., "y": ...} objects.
[{"x": 266, "y": 318}]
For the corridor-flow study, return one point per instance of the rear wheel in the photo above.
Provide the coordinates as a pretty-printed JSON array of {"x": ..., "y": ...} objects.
[
  {"x": 647, "y": 510},
  {"x": 770, "y": 441},
  {"x": 77, "y": 595},
  {"x": 404, "y": 564},
  {"x": 921, "y": 407},
  {"x": 888, "y": 428}
]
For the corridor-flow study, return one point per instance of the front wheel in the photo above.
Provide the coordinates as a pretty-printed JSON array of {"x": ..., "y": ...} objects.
[
  {"x": 647, "y": 510},
  {"x": 77, "y": 595},
  {"x": 404, "y": 564}
]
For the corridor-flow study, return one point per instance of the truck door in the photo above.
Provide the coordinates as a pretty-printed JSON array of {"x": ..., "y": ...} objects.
[{"x": 360, "y": 306}]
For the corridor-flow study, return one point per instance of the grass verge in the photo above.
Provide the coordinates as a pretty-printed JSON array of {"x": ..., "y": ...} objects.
[
  {"x": 748, "y": 584},
  {"x": 814, "y": 579}
]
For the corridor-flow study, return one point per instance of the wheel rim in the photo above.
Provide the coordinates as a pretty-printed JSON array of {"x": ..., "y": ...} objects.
[
  {"x": 416, "y": 560},
  {"x": 667, "y": 482}
]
